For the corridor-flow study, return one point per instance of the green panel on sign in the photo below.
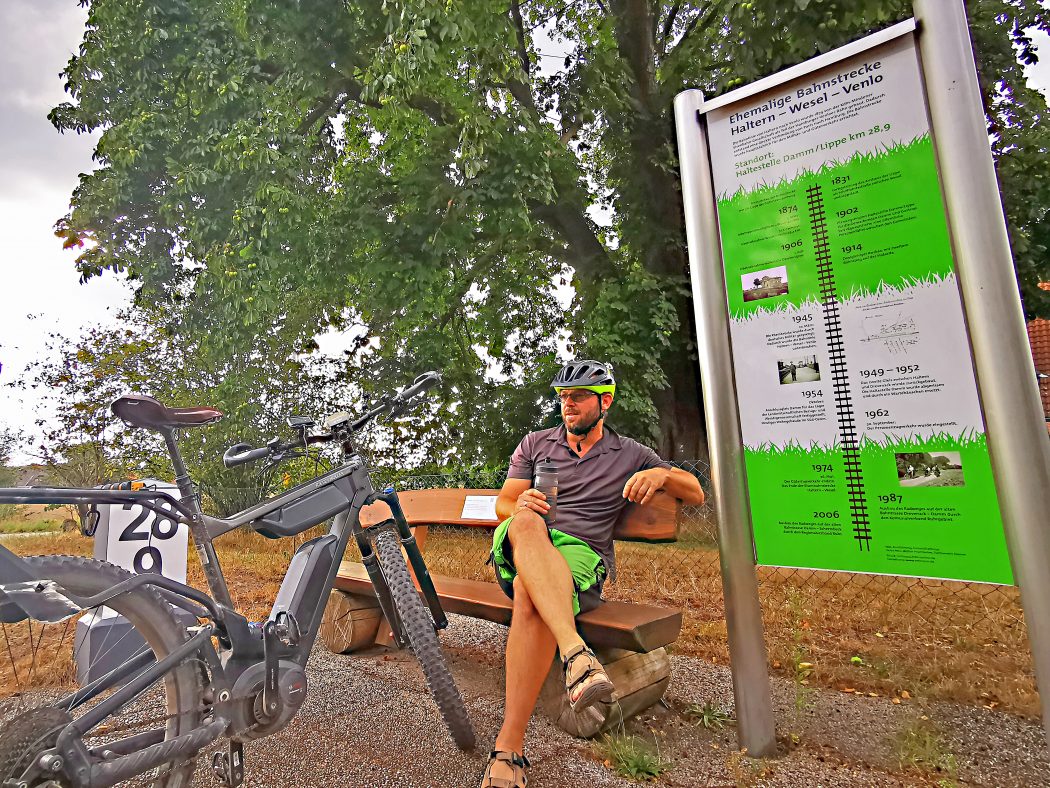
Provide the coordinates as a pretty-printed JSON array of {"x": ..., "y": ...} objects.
[
  {"x": 879, "y": 200},
  {"x": 932, "y": 524}
]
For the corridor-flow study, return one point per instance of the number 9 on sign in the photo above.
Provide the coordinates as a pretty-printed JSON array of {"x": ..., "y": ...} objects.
[{"x": 149, "y": 559}]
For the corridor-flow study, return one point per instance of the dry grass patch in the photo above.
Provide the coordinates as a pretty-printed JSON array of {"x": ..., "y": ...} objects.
[
  {"x": 34, "y": 518},
  {"x": 927, "y": 638},
  {"x": 67, "y": 543},
  {"x": 38, "y": 656},
  {"x": 931, "y": 638}
]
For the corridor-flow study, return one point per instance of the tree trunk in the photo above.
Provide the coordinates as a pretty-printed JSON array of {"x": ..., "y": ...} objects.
[
  {"x": 683, "y": 435},
  {"x": 658, "y": 204}
]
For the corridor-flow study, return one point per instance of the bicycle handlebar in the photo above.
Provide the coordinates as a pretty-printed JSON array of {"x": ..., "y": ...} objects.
[
  {"x": 240, "y": 453},
  {"x": 423, "y": 383}
]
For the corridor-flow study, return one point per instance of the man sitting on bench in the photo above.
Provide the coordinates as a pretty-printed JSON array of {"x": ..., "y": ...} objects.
[{"x": 555, "y": 571}]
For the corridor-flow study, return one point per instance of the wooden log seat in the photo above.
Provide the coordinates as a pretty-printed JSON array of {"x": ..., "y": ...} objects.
[{"x": 629, "y": 638}]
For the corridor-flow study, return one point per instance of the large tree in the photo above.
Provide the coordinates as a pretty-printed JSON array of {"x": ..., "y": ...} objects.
[{"x": 473, "y": 185}]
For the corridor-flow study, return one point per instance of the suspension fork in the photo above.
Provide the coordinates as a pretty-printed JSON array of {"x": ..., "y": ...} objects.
[
  {"x": 375, "y": 574},
  {"x": 415, "y": 557}
]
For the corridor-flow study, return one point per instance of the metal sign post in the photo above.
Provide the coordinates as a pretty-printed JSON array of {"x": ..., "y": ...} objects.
[
  {"x": 871, "y": 396},
  {"x": 747, "y": 647},
  {"x": 1017, "y": 438}
]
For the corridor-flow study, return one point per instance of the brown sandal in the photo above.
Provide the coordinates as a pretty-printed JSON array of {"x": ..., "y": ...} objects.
[
  {"x": 517, "y": 764},
  {"x": 582, "y": 667}
]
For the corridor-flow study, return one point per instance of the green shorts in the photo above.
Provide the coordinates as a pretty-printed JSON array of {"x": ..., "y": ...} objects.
[{"x": 587, "y": 567}]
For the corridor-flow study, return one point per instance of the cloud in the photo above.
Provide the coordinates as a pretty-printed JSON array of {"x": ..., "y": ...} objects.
[
  {"x": 37, "y": 38},
  {"x": 38, "y": 171}
]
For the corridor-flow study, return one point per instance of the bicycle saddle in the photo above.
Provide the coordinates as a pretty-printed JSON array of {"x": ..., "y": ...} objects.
[{"x": 141, "y": 411}]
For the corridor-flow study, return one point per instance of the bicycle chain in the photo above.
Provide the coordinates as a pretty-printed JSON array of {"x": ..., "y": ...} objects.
[{"x": 101, "y": 730}]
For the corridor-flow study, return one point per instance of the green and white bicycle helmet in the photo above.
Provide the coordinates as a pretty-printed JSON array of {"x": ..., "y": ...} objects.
[{"x": 588, "y": 374}]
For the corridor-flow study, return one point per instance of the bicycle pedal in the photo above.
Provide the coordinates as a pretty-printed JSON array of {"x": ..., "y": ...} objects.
[{"x": 228, "y": 767}]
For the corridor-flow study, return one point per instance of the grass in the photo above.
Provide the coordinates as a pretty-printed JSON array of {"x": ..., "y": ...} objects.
[
  {"x": 33, "y": 518},
  {"x": 801, "y": 668},
  {"x": 920, "y": 748},
  {"x": 40, "y": 526},
  {"x": 709, "y": 715},
  {"x": 631, "y": 757},
  {"x": 746, "y": 771},
  {"x": 939, "y": 639},
  {"x": 922, "y": 141},
  {"x": 936, "y": 639},
  {"x": 939, "y": 441}
]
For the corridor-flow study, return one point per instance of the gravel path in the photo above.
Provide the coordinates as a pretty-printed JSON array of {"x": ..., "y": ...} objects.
[{"x": 369, "y": 721}]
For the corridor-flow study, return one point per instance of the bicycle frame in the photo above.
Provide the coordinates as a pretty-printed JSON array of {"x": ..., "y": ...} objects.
[
  {"x": 308, "y": 579},
  {"x": 248, "y": 655}
]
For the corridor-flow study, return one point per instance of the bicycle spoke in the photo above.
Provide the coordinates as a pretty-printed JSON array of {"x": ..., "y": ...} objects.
[
  {"x": 35, "y": 647},
  {"x": 39, "y": 691},
  {"x": 11, "y": 656}
]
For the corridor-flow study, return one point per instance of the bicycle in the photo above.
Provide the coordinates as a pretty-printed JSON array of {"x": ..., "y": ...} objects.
[{"x": 151, "y": 716}]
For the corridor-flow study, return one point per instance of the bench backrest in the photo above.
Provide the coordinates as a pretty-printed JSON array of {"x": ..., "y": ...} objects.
[{"x": 657, "y": 521}]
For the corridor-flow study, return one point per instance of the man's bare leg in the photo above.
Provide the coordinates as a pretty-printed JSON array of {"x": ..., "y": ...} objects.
[
  {"x": 546, "y": 577},
  {"x": 548, "y": 580},
  {"x": 530, "y": 650}
]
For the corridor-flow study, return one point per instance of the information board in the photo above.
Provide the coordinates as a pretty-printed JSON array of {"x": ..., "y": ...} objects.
[
  {"x": 864, "y": 438},
  {"x": 139, "y": 540}
]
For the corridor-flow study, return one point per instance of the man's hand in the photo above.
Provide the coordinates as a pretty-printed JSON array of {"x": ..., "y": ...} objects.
[
  {"x": 641, "y": 487},
  {"x": 532, "y": 499}
]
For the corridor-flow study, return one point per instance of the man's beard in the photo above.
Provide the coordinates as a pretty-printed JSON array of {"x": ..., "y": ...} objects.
[{"x": 581, "y": 431}]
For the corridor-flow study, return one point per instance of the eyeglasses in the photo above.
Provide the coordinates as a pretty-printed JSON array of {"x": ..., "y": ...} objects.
[{"x": 577, "y": 397}]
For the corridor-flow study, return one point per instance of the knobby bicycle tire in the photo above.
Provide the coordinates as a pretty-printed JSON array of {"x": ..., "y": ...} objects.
[
  {"x": 30, "y": 720},
  {"x": 418, "y": 629}
]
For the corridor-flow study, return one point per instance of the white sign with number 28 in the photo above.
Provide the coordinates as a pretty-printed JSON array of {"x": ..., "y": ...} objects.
[{"x": 141, "y": 540}]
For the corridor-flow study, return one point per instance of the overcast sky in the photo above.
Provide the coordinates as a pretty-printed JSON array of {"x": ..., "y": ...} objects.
[{"x": 40, "y": 293}]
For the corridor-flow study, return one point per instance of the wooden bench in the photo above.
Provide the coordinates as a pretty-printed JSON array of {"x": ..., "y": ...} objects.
[{"x": 629, "y": 638}]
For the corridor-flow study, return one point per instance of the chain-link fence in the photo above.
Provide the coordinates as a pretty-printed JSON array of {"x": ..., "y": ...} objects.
[{"x": 857, "y": 632}]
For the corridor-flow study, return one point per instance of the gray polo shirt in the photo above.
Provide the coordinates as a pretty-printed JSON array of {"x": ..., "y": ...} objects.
[{"x": 590, "y": 488}]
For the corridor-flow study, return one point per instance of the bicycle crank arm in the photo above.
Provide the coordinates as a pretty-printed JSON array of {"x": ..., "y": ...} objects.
[{"x": 271, "y": 698}]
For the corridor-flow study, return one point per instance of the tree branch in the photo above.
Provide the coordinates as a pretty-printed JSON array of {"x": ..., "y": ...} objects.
[
  {"x": 521, "y": 93},
  {"x": 519, "y": 28},
  {"x": 325, "y": 109},
  {"x": 672, "y": 15},
  {"x": 569, "y": 132},
  {"x": 589, "y": 256},
  {"x": 703, "y": 18},
  {"x": 352, "y": 90},
  {"x": 634, "y": 40}
]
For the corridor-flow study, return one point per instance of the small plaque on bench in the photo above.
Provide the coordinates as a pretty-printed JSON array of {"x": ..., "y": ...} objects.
[{"x": 479, "y": 507}]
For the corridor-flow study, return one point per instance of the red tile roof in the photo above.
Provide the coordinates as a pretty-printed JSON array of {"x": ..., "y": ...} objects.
[{"x": 1039, "y": 339}]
